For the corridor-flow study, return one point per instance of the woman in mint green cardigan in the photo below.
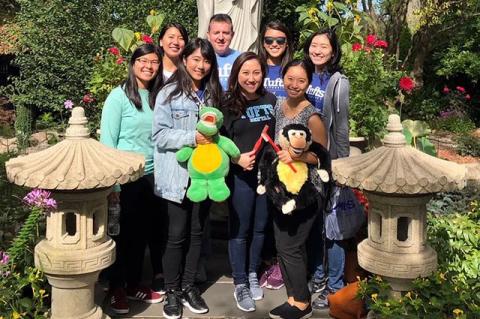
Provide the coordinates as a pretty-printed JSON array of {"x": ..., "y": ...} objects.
[{"x": 126, "y": 125}]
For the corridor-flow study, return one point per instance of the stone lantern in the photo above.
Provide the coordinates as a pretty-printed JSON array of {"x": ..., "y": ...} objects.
[
  {"x": 80, "y": 172},
  {"x": 398, "y": 181}
]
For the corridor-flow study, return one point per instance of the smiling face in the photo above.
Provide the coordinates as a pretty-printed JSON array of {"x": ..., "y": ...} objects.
[
  {"x": 250, "y": 77},
  {"x": 275, "y": 43},
  {"x": 197, "y": 67},
  {"x": 172, "y": 43},
  {"x": 296, "y": 81},
  {"x": 220, "y": 35},
  {"x": 145, "y": 69},
  {"x": 320, "y": 51}
]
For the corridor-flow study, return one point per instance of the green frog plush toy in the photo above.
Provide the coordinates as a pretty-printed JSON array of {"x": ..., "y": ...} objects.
[{"x": 208, "y": 164}]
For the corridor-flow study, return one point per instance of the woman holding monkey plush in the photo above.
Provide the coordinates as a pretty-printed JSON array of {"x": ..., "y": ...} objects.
[{"x": 291, "y": 231}]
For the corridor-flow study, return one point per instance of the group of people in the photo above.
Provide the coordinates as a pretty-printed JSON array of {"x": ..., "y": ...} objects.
[{"x": 155, "y": 112}]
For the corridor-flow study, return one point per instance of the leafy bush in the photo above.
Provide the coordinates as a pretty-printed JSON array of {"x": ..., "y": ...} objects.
[
  {"x": 453, "y": 291},
  {"x": 455, "y": 123},
  {"x": 468, "y": 145}
]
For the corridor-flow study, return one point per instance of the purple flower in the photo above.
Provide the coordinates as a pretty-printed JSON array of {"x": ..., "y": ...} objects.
[
  {"x": 40, "y": 198},
  {"x": 4, "y": 258},
  {"x": 68, "y": 104}
]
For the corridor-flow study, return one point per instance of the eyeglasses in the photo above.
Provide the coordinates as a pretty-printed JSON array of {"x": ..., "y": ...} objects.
[
  {"x": 279, "y": 40},
  {"x": 147, "y": 62}
]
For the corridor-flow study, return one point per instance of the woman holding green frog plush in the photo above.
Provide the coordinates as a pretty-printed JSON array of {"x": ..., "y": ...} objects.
[{"x": 194, "y": 85}]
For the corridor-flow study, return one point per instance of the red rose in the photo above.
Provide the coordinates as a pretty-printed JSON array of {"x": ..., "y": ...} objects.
[
  {"x": 119, "y": 60},
  {"x": 356, "y": 46},
  {"x": 406, "y": 83},
  {"x": 114, "y": 51},
  {"x": 371, "y": 38},
  {"x": 88, "y": 98},
  {"x": 381, "y": 44},
  {"x": 460, "y": 89},
  {"x": 468, "y": 97},
  {"x": 146, "y": 38},
  {"x": 446, "y": 90}
]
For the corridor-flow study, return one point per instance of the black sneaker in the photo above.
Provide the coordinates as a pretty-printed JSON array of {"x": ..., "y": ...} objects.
[
  {"x": 192, "y": 299},
  {"x": 277, "y": 312},
  {"x": 287, "y": 311},
  {"x": 321, "y": 302},
  {"x": 172, "y": 308},
  {"x": 317, "y": 285}
]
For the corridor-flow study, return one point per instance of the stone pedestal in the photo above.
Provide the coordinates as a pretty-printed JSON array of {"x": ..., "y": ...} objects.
[
  {"x": 74, "y": 252},
  {"x": 396, "y": 246}
]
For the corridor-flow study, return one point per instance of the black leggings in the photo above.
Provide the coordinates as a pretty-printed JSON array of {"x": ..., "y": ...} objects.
[
  {"x": 140, "y": 214},
  {"x": 291, "y": 233},
  {"x": 185, "y": 222}
]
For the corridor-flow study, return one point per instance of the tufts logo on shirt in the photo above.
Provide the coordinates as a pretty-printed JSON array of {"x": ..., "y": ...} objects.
[
  {"x": 273, "y": 83},
  {"x": 317, "y": 92},
  {"x": 224, "y": 71},
  {"x": 259, "y": 113}
]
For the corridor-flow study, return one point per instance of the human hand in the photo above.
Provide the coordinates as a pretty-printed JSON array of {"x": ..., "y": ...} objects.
[
  {"x": 247, "y": 160},
  {"x": 285, "y": 156},
  {"x": 202, "y": 139}
]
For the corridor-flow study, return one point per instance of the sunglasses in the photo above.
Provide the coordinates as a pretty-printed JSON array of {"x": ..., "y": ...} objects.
[{"x": 279, "y": 40}]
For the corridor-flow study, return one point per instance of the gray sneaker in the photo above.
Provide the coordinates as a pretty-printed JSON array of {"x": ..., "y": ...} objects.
[
  {"x": 243, "y": 298},
  {"x": 255, "y": 289}
]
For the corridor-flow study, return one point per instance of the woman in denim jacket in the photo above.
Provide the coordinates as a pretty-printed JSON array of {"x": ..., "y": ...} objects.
[{"x": 194, "y": 84}]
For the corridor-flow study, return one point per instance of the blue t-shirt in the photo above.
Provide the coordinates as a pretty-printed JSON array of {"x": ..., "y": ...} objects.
[
  {"x": 317, "y": 89},
  {"x": 273, "y": 82},
  {"x": 225, "y": 64}
]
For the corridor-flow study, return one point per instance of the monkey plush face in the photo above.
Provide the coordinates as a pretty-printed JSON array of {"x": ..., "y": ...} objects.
[
  {"x": 211, "y": 119},
  {"x": 296, "y": 138}
]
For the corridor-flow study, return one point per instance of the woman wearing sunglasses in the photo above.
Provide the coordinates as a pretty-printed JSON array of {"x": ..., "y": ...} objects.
[{"x": 276, "y": 51}]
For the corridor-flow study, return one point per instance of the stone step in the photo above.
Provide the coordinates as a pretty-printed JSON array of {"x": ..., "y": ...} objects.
[{"x": 217, "y": 291}]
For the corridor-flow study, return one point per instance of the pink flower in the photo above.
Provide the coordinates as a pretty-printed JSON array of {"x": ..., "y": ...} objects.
[
  {"x": 460, "y": 89},
  {"x": 114, "y": 51},
  {"x": 446, "y": 90},
  {"x": 381, "y": 44},
  {"x": 356, "y": 46},
  {"x": 371, "y": 38},
  {"x": 40, "y": 198},
  {"x": 468, "y": 97},
  {"x": 146, "y": 38},
  {"x": 68, "y": 104},
  {"x": 406, "y": 83},
  {"x": 119, "y": 60},
  {"x": 4, "y": 258}
]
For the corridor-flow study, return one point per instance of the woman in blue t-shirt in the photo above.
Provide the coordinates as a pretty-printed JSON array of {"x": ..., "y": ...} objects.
[{"x": 276, "y": 50}]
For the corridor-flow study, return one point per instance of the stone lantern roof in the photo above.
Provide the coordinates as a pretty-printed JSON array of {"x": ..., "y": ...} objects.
[
  {"x": 76, "y": 163},
  {"x": 399, "y": 168}
]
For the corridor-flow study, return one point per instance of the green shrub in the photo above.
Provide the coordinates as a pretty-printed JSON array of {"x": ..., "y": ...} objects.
[
  {"x": 468, "y": 145},
  {"x": 453, "y": 291},
  {"x": 455, "y": 123}
]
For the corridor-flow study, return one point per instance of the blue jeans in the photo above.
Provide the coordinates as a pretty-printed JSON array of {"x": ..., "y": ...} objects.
[
  {"x": 247, "y": 220},
  {"x": 335, "y": 257}
]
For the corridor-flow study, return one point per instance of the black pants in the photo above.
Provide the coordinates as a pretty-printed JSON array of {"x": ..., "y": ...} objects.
[
  {"x": 186, "y": 222},
  {"x": 140, "y": 216},
  {"x": 291, "y": 233}
]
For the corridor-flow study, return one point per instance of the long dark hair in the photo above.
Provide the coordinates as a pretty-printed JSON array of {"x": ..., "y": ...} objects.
[
  {"x": 178, "y": 26},
  {"x": 236, "y": 102},
  {"x": 334, "y": 64},
  {"x": 130, "y": 86},
  {"x": 183, "y": 81},
  {"x": 279, "y": 26}
]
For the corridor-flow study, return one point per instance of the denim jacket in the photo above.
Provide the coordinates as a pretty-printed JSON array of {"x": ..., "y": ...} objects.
[{"x": 173, "y": 127}]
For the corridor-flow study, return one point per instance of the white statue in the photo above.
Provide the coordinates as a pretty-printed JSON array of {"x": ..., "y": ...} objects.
[{"x": 246, "y": 17}]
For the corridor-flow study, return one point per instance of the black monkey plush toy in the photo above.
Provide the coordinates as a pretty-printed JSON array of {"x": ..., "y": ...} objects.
[{"x": 289, "y": 190}]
